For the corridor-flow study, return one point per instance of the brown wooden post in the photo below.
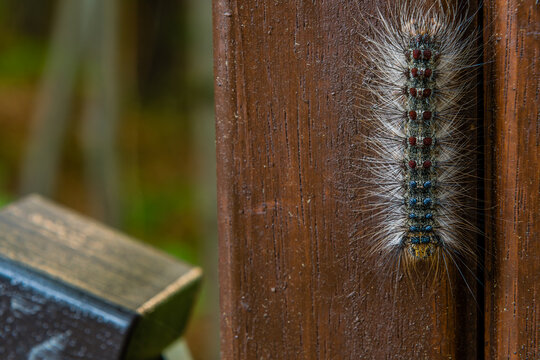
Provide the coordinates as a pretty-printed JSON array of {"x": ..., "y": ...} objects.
[
  {"x": 295, "y": 281},
  {"x": 513, "y": 129}
]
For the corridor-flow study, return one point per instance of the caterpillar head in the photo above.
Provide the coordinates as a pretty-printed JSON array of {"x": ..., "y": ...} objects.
[
  {"x": 422, "y": 247},
  {"x": 422, "y": 251}
]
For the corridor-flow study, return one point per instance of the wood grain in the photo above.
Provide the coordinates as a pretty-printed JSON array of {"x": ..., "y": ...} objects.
[
  {"x": 79, "y": 274},
  {"x": 512, "y": 151},
  {"x": 295, "y": 281}
]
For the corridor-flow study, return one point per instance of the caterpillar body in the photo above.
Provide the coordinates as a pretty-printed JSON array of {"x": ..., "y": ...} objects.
[{"x": 420, "y": 85}]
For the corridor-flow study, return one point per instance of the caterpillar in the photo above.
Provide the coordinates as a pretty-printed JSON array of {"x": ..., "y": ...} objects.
[{"x": 421, "y": 62}]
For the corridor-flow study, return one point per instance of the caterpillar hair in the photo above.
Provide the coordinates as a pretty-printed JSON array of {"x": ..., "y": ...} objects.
[{"x": 421, "y": 63}]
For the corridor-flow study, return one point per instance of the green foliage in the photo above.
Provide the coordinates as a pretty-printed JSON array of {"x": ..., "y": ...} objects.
[
  {"x": 5, "y": 195},
  {"x": 22, "y": 60}
]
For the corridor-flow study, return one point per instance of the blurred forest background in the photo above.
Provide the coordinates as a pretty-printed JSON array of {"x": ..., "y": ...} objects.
[{"x": 106, "y": 107}]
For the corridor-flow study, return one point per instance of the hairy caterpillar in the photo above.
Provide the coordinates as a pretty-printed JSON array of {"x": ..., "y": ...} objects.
[{"x": 422, "y": 167}]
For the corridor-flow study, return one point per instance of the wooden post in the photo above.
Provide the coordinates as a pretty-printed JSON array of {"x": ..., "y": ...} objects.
[
  {"x": 295, "y": 281},
  {"x": 513, "y": 167}
]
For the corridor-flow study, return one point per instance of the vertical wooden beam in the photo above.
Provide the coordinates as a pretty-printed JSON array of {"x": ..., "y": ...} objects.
[
  {"x": 295, "y": 281},
  {"x": 513, "y": 168}
]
